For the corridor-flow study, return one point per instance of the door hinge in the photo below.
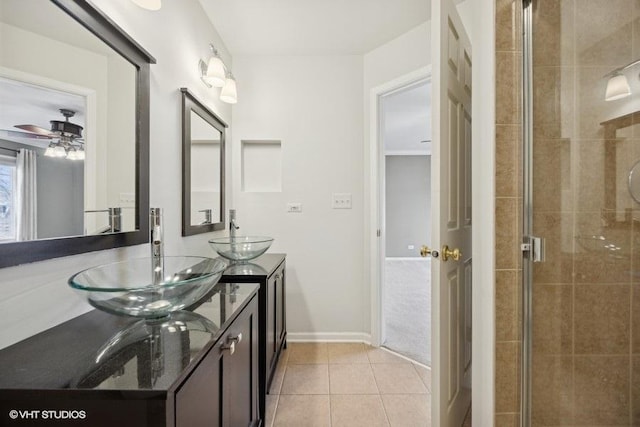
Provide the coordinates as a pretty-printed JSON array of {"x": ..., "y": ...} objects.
[
  {"x": 533, "y": 248},
  {"x": 378, "y": 234}
]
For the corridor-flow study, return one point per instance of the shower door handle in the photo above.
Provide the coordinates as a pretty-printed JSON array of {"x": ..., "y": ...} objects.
[{"x": 534, "y": 247}]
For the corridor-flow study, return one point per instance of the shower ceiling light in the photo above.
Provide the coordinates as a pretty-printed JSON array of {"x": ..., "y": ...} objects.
[{"x": 617, "y": 87}]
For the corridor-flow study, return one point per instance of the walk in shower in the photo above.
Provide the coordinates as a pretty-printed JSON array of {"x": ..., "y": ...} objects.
[{"x": 581, "y": 302}]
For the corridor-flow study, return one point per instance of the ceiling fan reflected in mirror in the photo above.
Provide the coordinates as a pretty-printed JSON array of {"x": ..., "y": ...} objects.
[{"x": 66, "y": 136}]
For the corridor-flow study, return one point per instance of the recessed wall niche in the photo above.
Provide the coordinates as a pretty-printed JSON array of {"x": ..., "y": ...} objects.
[{"x": 261, "y": 166}]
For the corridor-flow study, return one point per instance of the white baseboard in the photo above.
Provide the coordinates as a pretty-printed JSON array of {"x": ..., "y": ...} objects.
[{"x": 328, "y": 337}]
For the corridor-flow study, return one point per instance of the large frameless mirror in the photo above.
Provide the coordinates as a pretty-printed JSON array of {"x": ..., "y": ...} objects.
[
  {"x": 74, "y": 132},
  {"x": 203, "y": 181}
]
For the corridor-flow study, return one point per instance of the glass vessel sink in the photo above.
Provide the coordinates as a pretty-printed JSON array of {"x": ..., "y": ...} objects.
[
  {"x": 126, "y": 288},
  {"x": 241, "y": 248}
]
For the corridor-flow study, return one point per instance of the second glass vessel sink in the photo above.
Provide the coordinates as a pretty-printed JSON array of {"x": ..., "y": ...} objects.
[
  {"x": 128, "y": 288},
  {"x": 241, "y": 248}
]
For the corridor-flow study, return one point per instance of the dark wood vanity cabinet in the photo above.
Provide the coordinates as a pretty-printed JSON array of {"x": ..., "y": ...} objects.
[
  {"x": 197, "y": 368},
  {"x": 223, "y": 389},
  {"x": 269, "y": 270}
]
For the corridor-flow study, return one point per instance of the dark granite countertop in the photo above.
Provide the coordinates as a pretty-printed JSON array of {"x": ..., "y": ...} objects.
[{"x": 102, "y": 351}]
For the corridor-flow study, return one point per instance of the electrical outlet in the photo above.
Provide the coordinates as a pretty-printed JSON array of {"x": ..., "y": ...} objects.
[
  {"x": 294, "y": 207},
  {"x": 341, "y": 201}
]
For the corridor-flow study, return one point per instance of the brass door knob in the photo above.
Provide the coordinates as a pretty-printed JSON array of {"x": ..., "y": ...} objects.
[
  {"x": 454, "y": 254},
  {"x": 425, "y": 252}
]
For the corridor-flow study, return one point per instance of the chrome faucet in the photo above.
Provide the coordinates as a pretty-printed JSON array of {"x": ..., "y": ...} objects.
[
  {"x": 157, "y": 245},
  {"x": 233, "y": 226}
]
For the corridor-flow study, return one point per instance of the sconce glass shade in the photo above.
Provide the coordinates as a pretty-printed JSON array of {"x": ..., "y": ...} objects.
[
  {"x": 229, "y": 93},
  {"x": 617, "y": 87},
  {"x": 216, "y": 72},
  {"x": 149, "y": 4}
]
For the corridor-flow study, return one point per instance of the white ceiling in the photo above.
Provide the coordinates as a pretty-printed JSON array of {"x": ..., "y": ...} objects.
[
  {"x": 407, "y": 120},
  {"x": 25, "y": 104},
  {"x": 312, "y": 27}
]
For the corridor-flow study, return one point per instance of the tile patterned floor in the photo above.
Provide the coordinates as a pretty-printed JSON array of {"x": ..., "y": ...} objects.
[{"x": 347, "y": 385}]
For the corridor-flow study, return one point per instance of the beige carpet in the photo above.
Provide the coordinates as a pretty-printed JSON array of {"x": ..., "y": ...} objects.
[{"x": 407, "y": 308}]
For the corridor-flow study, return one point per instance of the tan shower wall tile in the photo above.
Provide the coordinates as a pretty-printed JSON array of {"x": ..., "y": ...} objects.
[
  {"x": 602, "y": 31},
  {"x": 507, "y": 420},
  {"x": 603, "y": 176},
  {"x": 508, "y": 138},
  {"x": 507, "y": 376},
  {"x": 557, "y": 230},
  {"x": 508, "y": 87},
  {"x": 552, "y": 319},
  {"x": 507, "y": 306},
  {"x": 635, "y": 320},
  {"x": 635, "y": 390},
  {"x": 552, "y": 400},
  {"x": 553, "y": 40},
  {"x": 553, "y": 102},
  {"x": 601, "y": 323},
  {"x": 507, "y": 235},
  {"x": 591, "y": 107},
  {"x": 552, "y": 180},
  {"x": 602, "y": 390},
  {"x": 508, "y": 25}
]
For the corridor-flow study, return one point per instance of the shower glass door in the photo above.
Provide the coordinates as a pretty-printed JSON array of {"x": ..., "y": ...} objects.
[{"x": 582, "y": 146}]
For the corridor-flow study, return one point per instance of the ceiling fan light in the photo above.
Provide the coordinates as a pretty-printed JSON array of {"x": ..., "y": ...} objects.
[
  {"x": 59, "y": 151},
  {"x": 216, "y": 72},
  {"x": 229, "y": 93},
  {"x": 149, "y": 4},
  {"x": 617, "y": 87},
  {"x": 49, "y": 152}
]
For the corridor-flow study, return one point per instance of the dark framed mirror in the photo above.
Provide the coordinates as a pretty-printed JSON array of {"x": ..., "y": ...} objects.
[
  {"x": 79, "y": 116},
  {"x": 203, "y": 160}
]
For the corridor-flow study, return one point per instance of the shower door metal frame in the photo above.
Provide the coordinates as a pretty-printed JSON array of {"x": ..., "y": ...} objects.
[{"x": 527, "y": 212}]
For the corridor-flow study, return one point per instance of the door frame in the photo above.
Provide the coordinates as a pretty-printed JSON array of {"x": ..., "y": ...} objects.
[{"x": 376, "y": 178}]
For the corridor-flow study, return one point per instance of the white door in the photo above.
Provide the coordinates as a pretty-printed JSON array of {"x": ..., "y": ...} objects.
[{"x": 451, "y": 216}]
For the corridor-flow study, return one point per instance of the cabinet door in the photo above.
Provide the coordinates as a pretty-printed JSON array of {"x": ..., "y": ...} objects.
[
  {"x": 271, "y": 325},
  {"x": 199, "y": 400},
  {"x": 280, "y": 306},
  {"x": 240, "y": 374}
]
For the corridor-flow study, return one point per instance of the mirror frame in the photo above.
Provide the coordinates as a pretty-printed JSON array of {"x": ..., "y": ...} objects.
[
  {"x": 191, "y": 103},
  {"x": 110, "y": 33}
]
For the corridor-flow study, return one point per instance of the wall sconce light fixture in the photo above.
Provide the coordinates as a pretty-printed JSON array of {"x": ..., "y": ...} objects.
[
  {"x": 214, "y": 73},
  {"x": 618, "y": 85},
  {"x": 149, "y": 4}
]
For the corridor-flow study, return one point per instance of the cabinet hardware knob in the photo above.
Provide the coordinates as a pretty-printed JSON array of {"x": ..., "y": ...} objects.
[
  {"x": 231, "y": 347},
  {"x": 235, "y": 340}
]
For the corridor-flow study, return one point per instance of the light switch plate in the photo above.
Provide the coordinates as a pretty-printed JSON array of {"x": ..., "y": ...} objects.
[{"x": 341, "y": 201}]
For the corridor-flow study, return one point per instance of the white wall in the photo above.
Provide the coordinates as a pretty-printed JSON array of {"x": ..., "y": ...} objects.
[
  {"x": 313, "y": 105},
  {"x": 34, "y": 297}
]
